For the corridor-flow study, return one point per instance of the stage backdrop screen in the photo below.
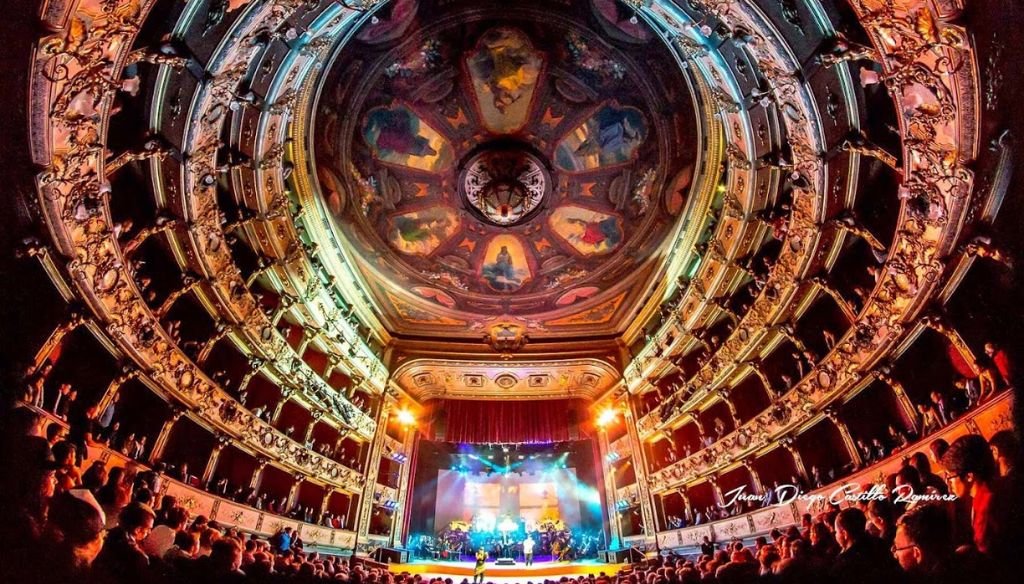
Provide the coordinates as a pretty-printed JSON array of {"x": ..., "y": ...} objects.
[{"x": 485, "y": 500}]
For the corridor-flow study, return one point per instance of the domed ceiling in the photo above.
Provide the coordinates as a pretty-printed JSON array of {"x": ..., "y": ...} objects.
[{"x": 476, "y": 177}]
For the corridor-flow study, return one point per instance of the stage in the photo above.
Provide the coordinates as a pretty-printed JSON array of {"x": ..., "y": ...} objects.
[{"x": 494, "y": 573}]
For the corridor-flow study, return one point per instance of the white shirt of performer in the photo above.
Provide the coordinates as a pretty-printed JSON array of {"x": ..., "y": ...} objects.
[{"x": 528, "y": 545}]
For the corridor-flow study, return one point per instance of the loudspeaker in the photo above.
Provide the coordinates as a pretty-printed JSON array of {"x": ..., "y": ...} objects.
[
  {"x": 574, "y": 425},
  {"x": 391, "y": 555},
  {"x": 504, "y": 562},
  {"x": 440, "y": 425}
]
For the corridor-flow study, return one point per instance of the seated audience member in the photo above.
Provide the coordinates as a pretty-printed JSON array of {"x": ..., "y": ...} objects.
[
  {"x": 186, "y": 546},
  {"x": 162, "y": 537},
  {"x": 54, "y": 433},
  {"x": 1005, "y": 447},
  {"x": 919, "y": 460},
  {"x": 863, "y": 558},
  {"x": 936, "y": 450},
  {"x": 122, "y": 560},
  {"x": 74, "y": 538},
  {"x": 882, "y": 515},
  {"x": 972, "y": 473},
  {"x": 924, "y": 545}
]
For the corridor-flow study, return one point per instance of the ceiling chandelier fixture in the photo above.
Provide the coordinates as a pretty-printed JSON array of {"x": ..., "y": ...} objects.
[{"x": 504, "y": 187}]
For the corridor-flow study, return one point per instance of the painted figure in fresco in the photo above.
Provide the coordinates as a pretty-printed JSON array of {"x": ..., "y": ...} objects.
[
  {"x": 501, "y": 274},
  {"x": 419, "y": 232},
  {"x": 605, "y": 232},
  {"x": 616, "y": 135},
  {"x": 507, "y": 65},
  {"x": 422, "y": 232},
  {"x": 397, "y": 131}
]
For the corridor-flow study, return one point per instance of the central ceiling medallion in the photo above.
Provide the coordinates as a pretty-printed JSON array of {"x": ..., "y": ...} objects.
[{"x": 504, "y": 185}]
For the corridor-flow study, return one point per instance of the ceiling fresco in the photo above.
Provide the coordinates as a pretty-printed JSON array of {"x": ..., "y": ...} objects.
[{"x": 474, "y": 175}]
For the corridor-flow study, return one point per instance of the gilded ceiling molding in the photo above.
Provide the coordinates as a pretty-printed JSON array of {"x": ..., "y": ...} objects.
[
  {"x": 939, "y": 141},
  {"x": 426, "y": 379},
  {"x": 71, "y": 99}
]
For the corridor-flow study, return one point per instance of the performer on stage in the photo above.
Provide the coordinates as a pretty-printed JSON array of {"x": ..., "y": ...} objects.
[
  {"x": 528, "y": 550},
  {"x": 478, "y": 570}
]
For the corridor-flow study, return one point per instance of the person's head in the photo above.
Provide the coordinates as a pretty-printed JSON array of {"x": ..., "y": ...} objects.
[
  {"x": 819, "y": 533},
  {"x": 881, "y": 513},
  {"x": 187, "y": 542},
  {"x": 137, "y": 520},
  {"x": 76, "y": 524},
  {"x": 924, "y": 536},
  {"x": 969, "y": 463},
  {"x": 850, "y": 525},
  {"x": 937, "y": 449},
  {"x": 64, "y": 453},
  {"x": 94, "y": 477},
  {"x": 226, "y": 555},
  {"x": 908, "y": 478},
  {"x": 919, "y": 460},
  {"x": 1005, "y": 447},
  {"x": 207, "y": 537},
  {"x": 54, "y": 433},
  {"x": 991, "y": 349},
  {"x": 23, "y": 421},
  {"x": 177, "y": 518}
]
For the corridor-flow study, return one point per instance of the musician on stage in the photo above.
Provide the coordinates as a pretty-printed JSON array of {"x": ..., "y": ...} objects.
[
  {"x": 478, "y": 569},
  {"x": 528, "y": 550}
]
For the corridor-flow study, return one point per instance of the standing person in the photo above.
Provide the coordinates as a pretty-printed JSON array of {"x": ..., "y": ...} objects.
[
  {"x": 528, "y": 550},
  {"x": 61, "y": 399},
  {"x": 83, "y": 431},
  {"x": 107, "y": 416},
  {"x": 478, "y": 569}
]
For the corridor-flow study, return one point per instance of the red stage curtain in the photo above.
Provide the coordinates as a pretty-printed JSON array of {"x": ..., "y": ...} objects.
[{"x": 508, "y": 422}]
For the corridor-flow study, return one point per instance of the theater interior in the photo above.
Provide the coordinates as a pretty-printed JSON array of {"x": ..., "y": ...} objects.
[{"x": 418, "y": 278}]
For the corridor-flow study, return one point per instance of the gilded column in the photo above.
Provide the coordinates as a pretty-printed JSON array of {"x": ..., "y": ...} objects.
[
  {"x": 906, "y": 405},
  {"x": 755, "y": 478},
  {"x": 286, "y": 394},
  {"x": 372, "y": 467},
  {"x": 844, "y": 432},
  {"x": 614, "y": 527},
  {"x": 650, "y": 520},
  {"x": 293, "y": 492},
  {"x": 211, "y": 464},
  {"x": 165, "y": 433},
  {"x": 127, "y": 373},
  {"x": 401, "y": 511},
  {"x": 257, "y": 474},
  {"x": 798, "y": 462}
]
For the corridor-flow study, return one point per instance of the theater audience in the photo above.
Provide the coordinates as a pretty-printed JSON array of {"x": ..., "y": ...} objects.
[{"x": 49, "y": 538}]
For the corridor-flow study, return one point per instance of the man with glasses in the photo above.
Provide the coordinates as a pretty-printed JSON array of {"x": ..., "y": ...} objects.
[
  {"x": 924, "y": 544},
  {"x": 971, "y": 472}
]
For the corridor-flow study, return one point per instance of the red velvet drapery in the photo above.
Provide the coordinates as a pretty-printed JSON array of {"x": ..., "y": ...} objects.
[{"x": 508, "y": 422}]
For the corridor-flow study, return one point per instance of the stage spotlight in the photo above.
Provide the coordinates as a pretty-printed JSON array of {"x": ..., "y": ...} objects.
[
  {"x": 607, "y": 417},
  {"x": 405, "y": 418}
]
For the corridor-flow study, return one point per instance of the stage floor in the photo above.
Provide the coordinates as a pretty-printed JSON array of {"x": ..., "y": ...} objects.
[{"x": 503, "y": 574}]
